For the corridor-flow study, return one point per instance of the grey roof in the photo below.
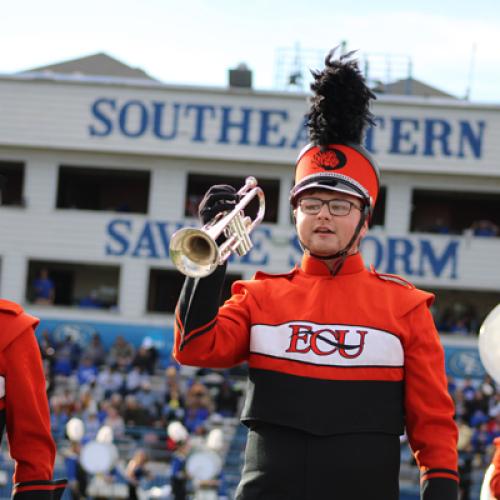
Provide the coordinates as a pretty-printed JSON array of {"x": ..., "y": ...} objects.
[
  {"x": 99, "y": 64},
  {"x": 410, "y": 86}
]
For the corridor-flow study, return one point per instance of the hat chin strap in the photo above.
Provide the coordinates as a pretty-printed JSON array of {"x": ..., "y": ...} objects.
[{"x": 341, "y": 255}]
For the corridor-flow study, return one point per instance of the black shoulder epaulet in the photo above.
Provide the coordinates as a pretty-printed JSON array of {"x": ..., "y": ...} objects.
[
  {"x": 394, "y": 278},
  {"x": 10, "y": 307}
]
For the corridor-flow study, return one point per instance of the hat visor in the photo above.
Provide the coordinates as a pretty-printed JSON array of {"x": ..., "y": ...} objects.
[{"x": 329, "y": 185}]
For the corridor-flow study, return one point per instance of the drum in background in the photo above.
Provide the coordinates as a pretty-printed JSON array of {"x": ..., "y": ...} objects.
[
  {"x": 489, "y": 344},
  {"x": 98, "y": 458},
  {"x": 203, "y": 465}
]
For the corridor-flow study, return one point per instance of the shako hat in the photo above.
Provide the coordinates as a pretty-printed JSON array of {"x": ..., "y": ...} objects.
[{"x": 339, "y": 112}]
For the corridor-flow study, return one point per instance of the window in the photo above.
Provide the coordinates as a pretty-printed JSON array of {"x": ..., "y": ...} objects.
[
  {"x": 462, "y": 311},
  {"x": 166, "y": 285},
  {"x": 11, "y": 183},
  {"x": 378, "y": 218},
  {"x": 198, "y": 185},
  {"x": 73, "y": 284},
  {"x": 452, "y": 212},
  {"x": 85, "y": 188}
]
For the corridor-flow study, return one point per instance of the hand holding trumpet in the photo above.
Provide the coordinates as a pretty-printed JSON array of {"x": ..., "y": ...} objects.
[
  {"x": 219, "y": 198},
  {"x": 198, "y": 252}
]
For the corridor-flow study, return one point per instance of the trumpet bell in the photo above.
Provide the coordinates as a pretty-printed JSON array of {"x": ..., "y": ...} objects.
[
  {"x": 489, "y": 343},
  {"x": 194, "y": 252}
]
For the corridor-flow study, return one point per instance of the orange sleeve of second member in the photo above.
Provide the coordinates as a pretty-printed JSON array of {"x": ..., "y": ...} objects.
[
  {"x": 27, "y": 410},
  {"x": 495, "y": 478}
]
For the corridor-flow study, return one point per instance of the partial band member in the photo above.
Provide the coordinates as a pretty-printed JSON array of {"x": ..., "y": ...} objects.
[
  {"x": 341, "y": 359},
  {"x": 489, "y": 351},
  {"x": 495, "y": 476},
  {"x": 24, "y": 408}
]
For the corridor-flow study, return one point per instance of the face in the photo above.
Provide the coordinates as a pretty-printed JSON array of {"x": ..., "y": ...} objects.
[{"x": 326, "y": 234}]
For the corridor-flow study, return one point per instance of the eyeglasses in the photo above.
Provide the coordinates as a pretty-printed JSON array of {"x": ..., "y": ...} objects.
[{"x": 313, "y": 206}]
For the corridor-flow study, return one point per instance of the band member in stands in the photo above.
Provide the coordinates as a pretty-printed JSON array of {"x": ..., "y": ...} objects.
[
  {"x": 24, "y": 409},
  {"x": 342, "y": 360}
]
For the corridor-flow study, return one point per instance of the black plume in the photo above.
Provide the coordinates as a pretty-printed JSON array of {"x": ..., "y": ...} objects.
[{"x": 340, "y": 103}]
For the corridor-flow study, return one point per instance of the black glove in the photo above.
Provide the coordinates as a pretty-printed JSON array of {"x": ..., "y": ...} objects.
[{"x": 219, "y": 198}]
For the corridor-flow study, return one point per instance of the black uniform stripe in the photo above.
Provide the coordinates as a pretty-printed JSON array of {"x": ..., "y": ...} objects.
[
  {"x": 192, "y": 335},
  {"x": 434, "y": 471}
]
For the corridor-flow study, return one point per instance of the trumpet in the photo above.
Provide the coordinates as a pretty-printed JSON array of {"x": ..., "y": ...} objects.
[{"x": 195, "y": 252}]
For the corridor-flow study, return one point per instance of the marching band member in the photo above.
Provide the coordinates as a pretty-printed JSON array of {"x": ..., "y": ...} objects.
[
  {"x": 341, "y": 359},
  {"x": 24, "y": 409},
  {"x": 495, "y": 477}
]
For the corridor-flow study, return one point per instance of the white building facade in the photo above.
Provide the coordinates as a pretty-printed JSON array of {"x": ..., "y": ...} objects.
[{"x": 58, "y": 133}]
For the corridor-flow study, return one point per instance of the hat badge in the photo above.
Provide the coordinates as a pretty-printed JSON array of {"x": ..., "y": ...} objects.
[{"x": 330, "y": 159}]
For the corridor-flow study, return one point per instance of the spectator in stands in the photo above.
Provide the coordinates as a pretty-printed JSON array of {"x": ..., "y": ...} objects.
[
  {"x": 485, "y": 228},
  {"x": 439, "y": 226},
  {"x": 468, "y": 389},
  {"x": 134, "y": 414},
  {"x": 109, "y": 380},
  {"x": 121, "y": 353},
  {"x": 117, "y": 401},
  {"x": 47, "y": 351},
  {"x": 59, "y": 417},
  {"x": 452, "y": 385},
  {"x": 494, "y": 406},
  {"x": 480, "y": 401},
  {"x": 87, "y": 371},
  {"x": 173, "y": 408},
  {"x": 43, "y": 288},
  {"x": 494, "y": 426},
  {"x": 66, "y": 356},
  {"x": 146, "y": 356},
  {"x": 91, "y": 300},
  {"x": 115, "y": 421},
  {"x": 192, "y": 202},
  {"x": 199, "y": 406},
  {"x": 459, "y": 327},
  {"x": 95, "y": 350},
  {"x": 148, "y": 399},
  {"x": 92, "y": 425},
  {"x": 488, "y": 387},
  {"x": 47, "y": 346},
  {"x": 134, "y": 379},
  {"x": 464, "y": 434},
  {"x": 480, "y": 441}
]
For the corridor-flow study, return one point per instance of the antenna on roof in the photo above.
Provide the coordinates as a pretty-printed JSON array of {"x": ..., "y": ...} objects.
[{"x": 471, "y": 72}]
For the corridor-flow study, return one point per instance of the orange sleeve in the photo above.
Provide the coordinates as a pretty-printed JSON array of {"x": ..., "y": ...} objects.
[
  {"x": 495, "y": 478},
  {"x": 27, "y": 410},
  {"x": 220, "y": 342},
  {"x": 430, "y": 424}
]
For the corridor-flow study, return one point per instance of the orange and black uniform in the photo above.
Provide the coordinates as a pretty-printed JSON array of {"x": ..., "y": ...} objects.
[
  {"x": 339, "y": 367},
  {"x": 495, "y": 477},
  {"x": 24, "y": 410}
]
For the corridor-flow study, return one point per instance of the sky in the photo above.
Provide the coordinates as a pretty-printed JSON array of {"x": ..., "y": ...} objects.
[{"x": 449, "y": 44}]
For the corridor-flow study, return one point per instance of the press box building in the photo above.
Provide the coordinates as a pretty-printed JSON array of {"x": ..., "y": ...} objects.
[{"x": 99, "y": 171}]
